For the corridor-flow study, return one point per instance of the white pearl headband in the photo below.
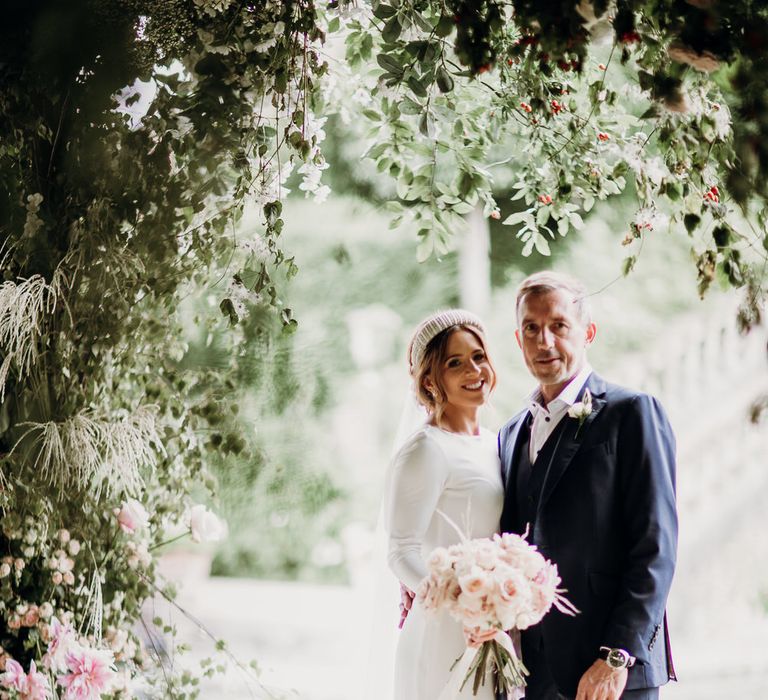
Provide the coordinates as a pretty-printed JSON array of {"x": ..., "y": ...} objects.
[{"x": 434, "y": 325}]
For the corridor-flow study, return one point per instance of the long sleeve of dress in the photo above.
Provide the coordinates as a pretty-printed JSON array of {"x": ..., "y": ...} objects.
[{"x": 416, "y": 480}]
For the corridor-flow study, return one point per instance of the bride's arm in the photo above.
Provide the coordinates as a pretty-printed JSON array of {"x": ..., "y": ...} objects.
[{"x": 415, "y": 482}]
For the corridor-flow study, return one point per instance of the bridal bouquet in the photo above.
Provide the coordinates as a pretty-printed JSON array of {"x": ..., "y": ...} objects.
[{"x": 491, "y": 585}]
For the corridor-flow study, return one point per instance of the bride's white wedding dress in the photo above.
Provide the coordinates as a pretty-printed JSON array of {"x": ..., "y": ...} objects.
[{"x": 460, "y": 476}]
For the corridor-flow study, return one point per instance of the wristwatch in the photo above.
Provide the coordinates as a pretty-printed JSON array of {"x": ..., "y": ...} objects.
[{"x": 617, "y": 658}]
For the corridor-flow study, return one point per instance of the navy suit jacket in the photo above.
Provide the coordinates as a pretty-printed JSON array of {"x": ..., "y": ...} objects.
[{"x": 607, "y": 518}]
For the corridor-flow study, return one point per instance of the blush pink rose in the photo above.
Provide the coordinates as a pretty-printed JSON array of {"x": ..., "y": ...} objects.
[{"x": 131, "y": 516}]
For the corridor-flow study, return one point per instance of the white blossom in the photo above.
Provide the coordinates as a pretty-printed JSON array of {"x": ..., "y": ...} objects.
[{"x": 204, "y": 525}]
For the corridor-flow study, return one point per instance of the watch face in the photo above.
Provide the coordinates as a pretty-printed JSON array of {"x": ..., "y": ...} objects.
[{"x": 617, "y": 658}]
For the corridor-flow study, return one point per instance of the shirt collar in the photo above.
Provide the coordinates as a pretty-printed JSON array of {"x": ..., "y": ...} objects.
[{"x": 566, "y": 398}]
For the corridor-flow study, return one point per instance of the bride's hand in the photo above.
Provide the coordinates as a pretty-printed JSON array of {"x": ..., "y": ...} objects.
[
  {"x": 475, "y": 638},
  {"x": 406, "y": 601}
]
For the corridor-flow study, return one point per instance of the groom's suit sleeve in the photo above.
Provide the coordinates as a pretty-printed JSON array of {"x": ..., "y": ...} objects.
[{"x": 646, "y": 468}]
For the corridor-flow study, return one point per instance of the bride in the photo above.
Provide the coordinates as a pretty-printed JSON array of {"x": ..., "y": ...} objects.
[{"x": 448, "y": 466}]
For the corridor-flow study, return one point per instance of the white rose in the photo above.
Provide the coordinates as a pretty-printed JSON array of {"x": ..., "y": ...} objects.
[
  {"x": 74, "y": 548},
  {"x": 205, "y": 525}
]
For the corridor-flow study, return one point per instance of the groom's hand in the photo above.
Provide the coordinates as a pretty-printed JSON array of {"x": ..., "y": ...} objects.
[
  {"x": 601, "y": 682},
  {"x": 406, "y": 600}
]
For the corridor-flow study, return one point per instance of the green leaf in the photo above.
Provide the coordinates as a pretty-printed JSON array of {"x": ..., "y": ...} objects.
[
  {"x": 421, "y": 22},
  {"x": 646, "y": 80},
  {"x": 392, "y": 29},
  {"x": 463, "y": 208},
  {"x": 517, "y": 218},
  {"x": 377, "y": 150},
  {"x": 333, "y": 25},
  {"x": 417, "y": 86},
  {"x": 542, "y": 245},
  {"x": 620, "y": 169},
  {"x": 651, "y": 113},
  {"x": 427, "y": 125},
  {"x": 691, "y": 221},
  {"x": 722, "y": 236},
  {"x": 628, "y": 264},
  {"x": 424, "y": 249},
  {"x": 444, "y": 80},
  {"x": 444, "y": 26},
  {"x": 409, "y": 106},
  {"x": 465, "y": 183},
  {"x": 384, "y": 11},
  {"x": 576, "y": 221},
  {"x": 674, "y": 191},
  {"x": 708, "y": 130},
  {"x": 389, "y": 64},
  {"x": 528, "y": 247}
]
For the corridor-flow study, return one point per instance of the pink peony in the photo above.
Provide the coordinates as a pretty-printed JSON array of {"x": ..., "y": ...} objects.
[
  {"x": 14, "y": 677},
  {"x": 63, "y": 640},
  {"x": 31, "y": 686},
  {"x": 131, "y": 516},
  {"x": 91, "y": 674},
  {"x": 38, "y": 686}
]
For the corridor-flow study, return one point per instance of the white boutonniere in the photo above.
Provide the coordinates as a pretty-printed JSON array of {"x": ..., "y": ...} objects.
[{"x": 581, "y": 410}]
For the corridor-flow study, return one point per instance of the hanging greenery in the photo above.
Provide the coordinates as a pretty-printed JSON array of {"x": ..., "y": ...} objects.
[
  {"x": 132, "y": 135},
  {"x": 574, "y": 103}
]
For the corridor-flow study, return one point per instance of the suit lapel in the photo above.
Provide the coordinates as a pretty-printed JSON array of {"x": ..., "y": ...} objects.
[
  {"x": 568, "y": 440},
  {"x": 510, "y": 456}
]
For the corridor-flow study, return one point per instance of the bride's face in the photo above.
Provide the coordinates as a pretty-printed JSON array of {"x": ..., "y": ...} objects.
[{"x": 466, "y": 373}]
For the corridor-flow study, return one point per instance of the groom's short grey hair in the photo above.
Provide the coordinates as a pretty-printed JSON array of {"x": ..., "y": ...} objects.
[{"x": 549, "y": 281}]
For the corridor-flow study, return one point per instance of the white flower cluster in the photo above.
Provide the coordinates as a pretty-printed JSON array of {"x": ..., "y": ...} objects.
[
  {"x": 501, "y": 583},
  {"x": 314, "y": 164}
]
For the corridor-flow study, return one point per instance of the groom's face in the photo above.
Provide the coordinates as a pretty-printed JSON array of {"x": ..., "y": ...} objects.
[{"x": 553, "y": 338}]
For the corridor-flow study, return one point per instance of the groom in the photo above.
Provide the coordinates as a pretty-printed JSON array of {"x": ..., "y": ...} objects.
[{"x": 589, "y": 470}]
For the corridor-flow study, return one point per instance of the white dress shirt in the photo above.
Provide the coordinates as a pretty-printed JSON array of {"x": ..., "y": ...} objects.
[{"x": 547, "y": 417}]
